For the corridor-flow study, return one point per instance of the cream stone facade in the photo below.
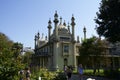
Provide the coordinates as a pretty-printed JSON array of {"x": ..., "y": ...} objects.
[{"x": 59, "y": 48}]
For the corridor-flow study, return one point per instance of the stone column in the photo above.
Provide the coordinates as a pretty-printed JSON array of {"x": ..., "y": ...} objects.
[{"x": 55, "y": 55}]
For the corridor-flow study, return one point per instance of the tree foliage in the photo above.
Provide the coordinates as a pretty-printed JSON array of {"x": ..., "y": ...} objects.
[
  {"x": 27, "y": 58},
  {"x": 9, "y": 64},
  {"x": 91, "y": 51},
  {"x": 108, "y": 20}
]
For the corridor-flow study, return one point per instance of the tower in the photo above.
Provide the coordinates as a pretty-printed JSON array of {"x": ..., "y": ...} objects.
[
  {"x": 73, "y": 27},
  {"x": 35, "y": 41}
]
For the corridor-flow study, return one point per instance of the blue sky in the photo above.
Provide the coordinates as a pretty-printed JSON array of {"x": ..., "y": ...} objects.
[{"x": 20, "y": 20}]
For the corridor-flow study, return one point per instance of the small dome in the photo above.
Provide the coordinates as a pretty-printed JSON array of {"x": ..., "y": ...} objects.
[
  {"x": 61, "y": 26},
  {"x": 62, "y": 29}
]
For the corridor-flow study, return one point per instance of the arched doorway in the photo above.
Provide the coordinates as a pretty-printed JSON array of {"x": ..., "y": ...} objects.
[{"x": 65, "y": 61}]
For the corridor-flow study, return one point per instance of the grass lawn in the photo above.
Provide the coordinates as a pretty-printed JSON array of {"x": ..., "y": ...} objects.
[{"x": 90, "y": 72}]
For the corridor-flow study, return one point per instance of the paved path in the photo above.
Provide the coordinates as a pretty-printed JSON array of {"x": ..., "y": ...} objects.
[{"x": 76, "y": 77}]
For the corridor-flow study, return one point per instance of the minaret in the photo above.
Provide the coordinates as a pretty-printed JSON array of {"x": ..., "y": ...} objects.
[
  {"x": 84, "y": 30},
  {"x": 35, "y": 41},
  {"x": 49, "y": 29},
  {"x": 38, "y": 37},
  {"x": 56, "y": 23},
  {"x": 73, "y": 25}
]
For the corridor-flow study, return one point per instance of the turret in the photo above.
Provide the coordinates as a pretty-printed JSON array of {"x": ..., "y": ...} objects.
[
  {"x": 56, "y": 23},
  {"x": 73, "y": 25},
  {"x": 49, "y": 29}
]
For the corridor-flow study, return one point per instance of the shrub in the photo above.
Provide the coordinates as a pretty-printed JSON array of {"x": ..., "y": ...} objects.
[
  {"x": 44, "y": 73},
  {"x": 60, "y": 76}
]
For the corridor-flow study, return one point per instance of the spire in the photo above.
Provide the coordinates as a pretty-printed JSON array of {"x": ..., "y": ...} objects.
[
  {"x": 72, "y": 20},
  {"x": 56, "y": 15},
  {"x": 60, "y": 20},
  {"x": 56, "y": 18}
]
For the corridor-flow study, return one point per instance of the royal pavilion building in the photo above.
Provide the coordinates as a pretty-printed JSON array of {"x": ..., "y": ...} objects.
[{"x": 59, "y": 48}]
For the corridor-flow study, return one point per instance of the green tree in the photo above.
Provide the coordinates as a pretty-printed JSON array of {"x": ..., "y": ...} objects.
[
  {"x": 91, "y": 52},
  {"x": 17, "y": 48},
  {"x": 9, "y": 65},
  {"x": 27, "y": 58},
  {"x": 108, "y": 20}
]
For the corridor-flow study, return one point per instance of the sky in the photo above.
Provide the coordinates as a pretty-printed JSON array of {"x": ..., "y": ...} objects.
[{"x": 20, "y": 20}]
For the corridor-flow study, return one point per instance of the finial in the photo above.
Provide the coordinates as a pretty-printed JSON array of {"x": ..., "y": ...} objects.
[
  {"x": 56, "y": 18},
  {"x": 56, "y": 15},
  {"x": 60, "y": 20},
  {"x": 84, "y": 29},
  {"x": 72, "y": 21},
  {"x": 72, "y": 15},
  {"x": 72, "y": 18}
]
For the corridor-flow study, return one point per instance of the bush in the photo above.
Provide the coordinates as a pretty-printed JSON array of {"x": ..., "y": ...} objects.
[
  {"x": 60, "y": 76},
  {"x": 47, "y": 75},
  {"x": 44, "y": 73}
]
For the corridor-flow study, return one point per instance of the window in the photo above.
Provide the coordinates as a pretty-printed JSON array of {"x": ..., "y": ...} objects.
[{"x": 66, "y": 49}]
